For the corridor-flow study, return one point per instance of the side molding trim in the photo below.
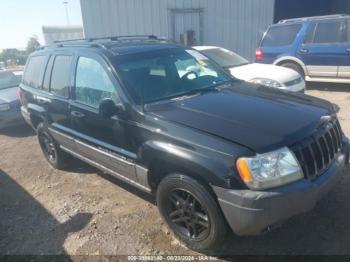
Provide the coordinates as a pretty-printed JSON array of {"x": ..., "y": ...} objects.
[{"x": 107, "y": 170}]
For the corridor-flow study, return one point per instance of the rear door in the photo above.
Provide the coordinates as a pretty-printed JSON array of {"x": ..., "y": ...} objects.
[
  {"x": 344, "y": 67},
  {"x": 323, "y": 48},
  {"x": 57, "y": 81}
]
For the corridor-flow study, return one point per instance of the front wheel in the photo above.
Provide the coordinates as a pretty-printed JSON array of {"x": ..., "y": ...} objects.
[
  {"x": 53, "y": 154},
  {"x": 191, "y": 212}
]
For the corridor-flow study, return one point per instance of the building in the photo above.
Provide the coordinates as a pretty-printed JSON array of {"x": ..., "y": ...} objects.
[
  {"x": 58, "y": 33},
  {"x": 234, "y": 24}
]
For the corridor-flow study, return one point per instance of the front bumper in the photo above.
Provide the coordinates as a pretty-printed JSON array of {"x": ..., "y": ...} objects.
[{"x": 252, "y": 212}]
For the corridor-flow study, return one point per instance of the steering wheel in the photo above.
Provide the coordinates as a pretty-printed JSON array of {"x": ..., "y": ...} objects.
[{"x": 188, "y": 73}]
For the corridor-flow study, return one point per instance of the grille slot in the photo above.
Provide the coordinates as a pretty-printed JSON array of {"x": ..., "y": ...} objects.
[{"x": 317, "y": 153}]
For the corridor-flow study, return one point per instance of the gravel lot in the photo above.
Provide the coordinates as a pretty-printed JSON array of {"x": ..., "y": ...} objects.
[{"x": 82, "y": 211}]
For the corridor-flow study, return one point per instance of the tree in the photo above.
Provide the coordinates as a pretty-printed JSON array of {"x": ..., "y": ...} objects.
[{"x": 32, "y": 44}]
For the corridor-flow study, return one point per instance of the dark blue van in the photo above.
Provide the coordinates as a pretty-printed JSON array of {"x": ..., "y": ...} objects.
[{"x": 316, "y": 47}]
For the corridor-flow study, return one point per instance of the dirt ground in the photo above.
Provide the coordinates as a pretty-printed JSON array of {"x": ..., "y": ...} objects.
[{"x": 82, "y": 211}]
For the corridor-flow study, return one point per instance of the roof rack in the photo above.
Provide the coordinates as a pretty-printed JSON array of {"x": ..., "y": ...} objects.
[
  {"x": 113, "y": 38},
  {"x": 310, "y": 18}
]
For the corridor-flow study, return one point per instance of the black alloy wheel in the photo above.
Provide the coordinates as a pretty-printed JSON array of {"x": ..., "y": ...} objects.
[{"x": 188, "y": 215}]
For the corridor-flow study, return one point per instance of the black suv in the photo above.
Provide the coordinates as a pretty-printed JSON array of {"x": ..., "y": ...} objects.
[{"x": 215, "y": 151}]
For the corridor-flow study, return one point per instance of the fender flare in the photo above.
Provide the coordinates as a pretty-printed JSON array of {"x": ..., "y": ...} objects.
[
  {"x": 293, "y": 59},
  {"x": 36, "y": 112}
]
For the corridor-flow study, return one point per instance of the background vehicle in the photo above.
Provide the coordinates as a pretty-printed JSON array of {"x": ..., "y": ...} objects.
[
  {"x": 268, "y": 75},
  {"x": 318, "y": 48},
  {"x": 10, "y": 113},
  {"x": 214, "y": 151}
]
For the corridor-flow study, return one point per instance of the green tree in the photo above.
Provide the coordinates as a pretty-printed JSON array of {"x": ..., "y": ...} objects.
[{"x": 32, "y": 44}]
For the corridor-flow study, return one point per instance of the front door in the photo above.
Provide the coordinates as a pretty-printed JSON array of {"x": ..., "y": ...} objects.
[
  {"x": 99, "y": 139},
  {"x": 323, "y": 49}
]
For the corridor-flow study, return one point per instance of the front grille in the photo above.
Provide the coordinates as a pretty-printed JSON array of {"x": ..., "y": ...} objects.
[
  {"x": 316, "y": 153},
  {"x": 294, "y": 82}
]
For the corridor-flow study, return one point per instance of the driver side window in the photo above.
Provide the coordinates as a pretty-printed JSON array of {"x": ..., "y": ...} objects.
[{"x": 92, "y": 83}]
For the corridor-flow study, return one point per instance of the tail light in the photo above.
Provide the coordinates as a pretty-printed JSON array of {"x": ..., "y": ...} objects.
[
  {"x": 21, "y": 96},
  {"x": 259, "y": 55}
]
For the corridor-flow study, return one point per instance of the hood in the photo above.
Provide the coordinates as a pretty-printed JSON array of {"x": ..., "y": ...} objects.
[
  {"x": 250, "y": 71},
  {"x": 260, "y": 118},
  {"x": 9, "y": 95}
]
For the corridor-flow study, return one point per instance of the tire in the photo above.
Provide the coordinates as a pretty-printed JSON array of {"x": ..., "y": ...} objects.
[
  {"x": 294, "y": 67},
  {"x": 53, "y": 154},
  {"x": 191, "y": 213}
]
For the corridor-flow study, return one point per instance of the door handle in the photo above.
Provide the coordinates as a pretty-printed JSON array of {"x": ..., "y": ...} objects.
[
  {"x": 304, "y": 51},
  {"x": 348, "y": 50},
  {"x": 42, "y": 100},
  {"x": 77, "y": 114}
]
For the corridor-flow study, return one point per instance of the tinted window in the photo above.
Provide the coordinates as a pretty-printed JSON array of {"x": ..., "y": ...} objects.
[
  {"x": 60, "y": 76},
  {"x": 33, "y": 73},
  {"x": 8, "y": 79},
  {"x": 281, "y": 35},
  {"x": 92, "y": 83},
  {"x": 169, "y": 73},
  {"x": 330, "y": 32},
  {"x": 46, "y": 84}
]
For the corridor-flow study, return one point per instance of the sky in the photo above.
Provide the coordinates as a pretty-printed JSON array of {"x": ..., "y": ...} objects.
[{"x": 21, "y": 19}]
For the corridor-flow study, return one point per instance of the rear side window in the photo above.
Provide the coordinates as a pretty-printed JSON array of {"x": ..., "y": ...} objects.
[
  {"x": 330, "y": 32},
  {"x": 281, "y": 35},
  {"x": 60, "y": 75},
  {"x": 34, "y": 70}
]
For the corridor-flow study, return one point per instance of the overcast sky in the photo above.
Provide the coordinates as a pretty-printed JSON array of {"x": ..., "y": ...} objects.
[{"x": 20, "y": 19}]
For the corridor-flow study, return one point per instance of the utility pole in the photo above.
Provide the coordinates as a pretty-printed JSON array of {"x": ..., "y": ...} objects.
[{"x": 66, "y": 7}]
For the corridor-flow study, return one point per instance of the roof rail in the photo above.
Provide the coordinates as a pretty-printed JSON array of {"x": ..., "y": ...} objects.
[
  {"x": 113, "y": 38},
  {"x": 310, "y": 18}
]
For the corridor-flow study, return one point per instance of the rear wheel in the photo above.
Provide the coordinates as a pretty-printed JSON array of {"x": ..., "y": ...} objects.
[
  {"x": 294, "y": 67},
  {"x": 53, "y": 154},
  {"x": 191, "y": 212}
]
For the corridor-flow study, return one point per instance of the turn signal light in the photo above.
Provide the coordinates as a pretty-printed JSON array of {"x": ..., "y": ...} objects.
[{"x": 243, "y": 170}]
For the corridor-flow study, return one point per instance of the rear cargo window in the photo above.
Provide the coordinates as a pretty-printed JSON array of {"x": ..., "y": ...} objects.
[
  {"x": 281, "y": 35},
  {"x": 34, "y": 71},
  {"x": 60, "y": 76}
]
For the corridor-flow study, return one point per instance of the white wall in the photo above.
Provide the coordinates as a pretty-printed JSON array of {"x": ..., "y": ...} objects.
[{"x": 234, "y": 24}]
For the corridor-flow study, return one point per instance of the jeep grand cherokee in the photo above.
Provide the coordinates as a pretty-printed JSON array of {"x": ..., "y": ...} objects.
[{"x": 215, "y": 151}]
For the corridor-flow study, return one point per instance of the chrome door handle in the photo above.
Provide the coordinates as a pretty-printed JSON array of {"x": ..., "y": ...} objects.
[
  {"x": 42, "y": 100},
  {"x": 303, "y": 50},
  {"x": 77, "y": 114}
]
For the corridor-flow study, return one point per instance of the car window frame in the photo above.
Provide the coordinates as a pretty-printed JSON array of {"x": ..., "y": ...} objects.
[
  {"x": 42, "y": 73},
  {"x": 344, "y": 22},
  {"x": 107, "y": 68},
  {"x": 69, "y": 80}
]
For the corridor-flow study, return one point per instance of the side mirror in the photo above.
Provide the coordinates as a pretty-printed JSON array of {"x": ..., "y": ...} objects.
[{"x": 108, "y": 108}]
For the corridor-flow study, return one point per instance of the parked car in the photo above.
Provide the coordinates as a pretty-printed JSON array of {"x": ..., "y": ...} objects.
[
  {"x": 241, "y": 68},
  {"x": 10, "y": 113},
  {"x": 215, "y": 151},
  {"x": 318, "y": 48}
]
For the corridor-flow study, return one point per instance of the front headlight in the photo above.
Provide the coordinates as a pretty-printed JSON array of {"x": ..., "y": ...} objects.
[
  {"x": 4, "y": 107},
  {"x": 271, "y": 169},
  {"x": 266, "y": 82}
]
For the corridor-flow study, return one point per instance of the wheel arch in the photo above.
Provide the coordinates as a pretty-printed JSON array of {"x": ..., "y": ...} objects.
[
  {"x": 291, "y": 59},
  {"x": 163, "y": 159}
]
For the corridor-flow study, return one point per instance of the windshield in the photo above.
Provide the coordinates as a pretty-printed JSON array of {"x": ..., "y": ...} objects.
[
  {"x": 154, "y": 76},
  {"x": 224, "y": 57},
  {"x": 8, "y": 79}
]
